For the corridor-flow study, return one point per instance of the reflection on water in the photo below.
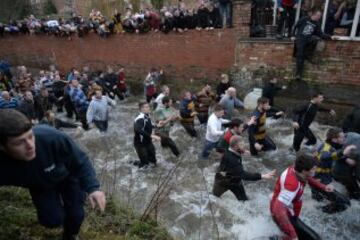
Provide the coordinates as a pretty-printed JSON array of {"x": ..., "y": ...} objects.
[{"x": 190, "y": 212}]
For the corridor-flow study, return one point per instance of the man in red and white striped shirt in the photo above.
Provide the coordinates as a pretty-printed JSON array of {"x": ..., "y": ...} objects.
[{"x": 286, "y": 202}]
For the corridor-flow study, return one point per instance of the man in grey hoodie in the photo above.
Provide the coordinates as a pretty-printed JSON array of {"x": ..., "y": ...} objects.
[
  {"x": 98, "y": 111},
  {"x": 229, "y": 102}
]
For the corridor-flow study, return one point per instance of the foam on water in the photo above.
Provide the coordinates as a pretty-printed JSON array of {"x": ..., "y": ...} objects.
[{"x": 191, "y": 211}]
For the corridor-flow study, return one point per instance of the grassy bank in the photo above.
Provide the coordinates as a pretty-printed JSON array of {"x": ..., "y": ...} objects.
[{"x": 18, "y": 221}]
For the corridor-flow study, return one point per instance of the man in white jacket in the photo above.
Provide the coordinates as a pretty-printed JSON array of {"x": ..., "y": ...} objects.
[
  {"x": 214, "y": 130},
  {"x": 98, "y": 111}
]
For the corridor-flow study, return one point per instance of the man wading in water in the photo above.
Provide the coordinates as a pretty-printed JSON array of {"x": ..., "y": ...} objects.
[{"x": 231, "y": 172}]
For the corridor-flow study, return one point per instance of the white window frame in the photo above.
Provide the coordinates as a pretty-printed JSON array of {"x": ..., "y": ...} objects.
[{"x": 352, "y": 36}]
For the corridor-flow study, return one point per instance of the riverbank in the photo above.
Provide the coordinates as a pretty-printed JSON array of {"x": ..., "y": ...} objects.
[{"x": 18, "y": 221}]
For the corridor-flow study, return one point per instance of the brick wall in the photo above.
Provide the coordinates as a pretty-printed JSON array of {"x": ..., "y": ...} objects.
[
  {"x": 198, "y": 55},
  {"x": 338, "y": 62}
]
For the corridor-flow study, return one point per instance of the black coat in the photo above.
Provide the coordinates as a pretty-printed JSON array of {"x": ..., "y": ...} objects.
[
  {"x": 143, "y": 128},
  {"x": 231, "y": 163},
  {"x": 305, "y": 114}
]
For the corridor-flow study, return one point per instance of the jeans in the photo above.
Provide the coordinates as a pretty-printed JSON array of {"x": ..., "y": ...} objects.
[
  {"x": 146, "y": 153},
  {"x": 287, "y": 17},
  {"x": 304, "y": 50},
  {"x": 223, "y": 184},
  {"x": 267, "y": 143},
  {"x": 207, "y": 148},
  {"x": 63, "y": 206},
  {"x": 168, "y": 142},
  {"x": 101, "y": 125},
  {"x": 190, "y": 129},
  {"x": 225, "y": 11},
  {"x": 299, "y": 137}
]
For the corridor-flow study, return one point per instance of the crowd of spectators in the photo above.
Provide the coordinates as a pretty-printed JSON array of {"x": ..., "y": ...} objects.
[
  {"x": 179, "y": 18},
  {"x": 37, "y": 96},
  {"x": 339, "y": 17}
]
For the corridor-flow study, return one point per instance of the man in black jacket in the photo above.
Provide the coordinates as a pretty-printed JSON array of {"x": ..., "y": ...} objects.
[
  {"x": 143, "y": 137},
  {"x": 52, "y": 166},
  {"x": 308, "y": 32},
  {"x": 231, "y": 172},
  {"x": 303, "y": 116}
]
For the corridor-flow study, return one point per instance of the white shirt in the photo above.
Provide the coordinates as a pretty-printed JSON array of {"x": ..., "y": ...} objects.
[
  {"x": 214, "y": 128},
  {"x": 159, "y": 99}
]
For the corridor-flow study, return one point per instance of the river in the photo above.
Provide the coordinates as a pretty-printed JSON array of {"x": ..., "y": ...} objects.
[{"x": 190, "y": 211}]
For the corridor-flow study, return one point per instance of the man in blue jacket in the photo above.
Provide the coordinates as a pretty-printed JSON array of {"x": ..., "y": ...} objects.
[{"x": 52, "y": 166}]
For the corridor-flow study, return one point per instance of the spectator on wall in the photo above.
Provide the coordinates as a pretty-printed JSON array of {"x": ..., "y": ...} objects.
[
  {"x": 308, "y": 33},
  {"x": 225, "y": 7},
  {"x": 287, "y": 10}
]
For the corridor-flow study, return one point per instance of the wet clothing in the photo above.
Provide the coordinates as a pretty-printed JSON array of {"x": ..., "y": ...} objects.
[
  {"x": 80, "y": 103},
  {"x": 229, "y": 104},
  {"x": 213, "y": 134},
  {"x": 158, "y": 101},
  {"x": 304, "y": 115},
  {"x": 58, "y": 178},
  {"x": 327, "y": 154},
  {"x": 308, "y": 33},
  {"x": 352, "y": 121},
  {"x": 286, "y": 201},
  {"x": 65, "y": 203},
  {"x": 202, "y": 105},
  {"x": 214, "y": 128},
  {"x": 230, "y": 175},
  {"x": 144, "y": 147},
  {"x": 78, "y": 98},
  {"x": 162, "y": 114},
  {"x": 98, "y": 112},
  {"x": 257, "y": 133},
  {"x": 58, "y": 123},
  {"x": 187, "y": 121},
  {"x": 346, "y": 174}
]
